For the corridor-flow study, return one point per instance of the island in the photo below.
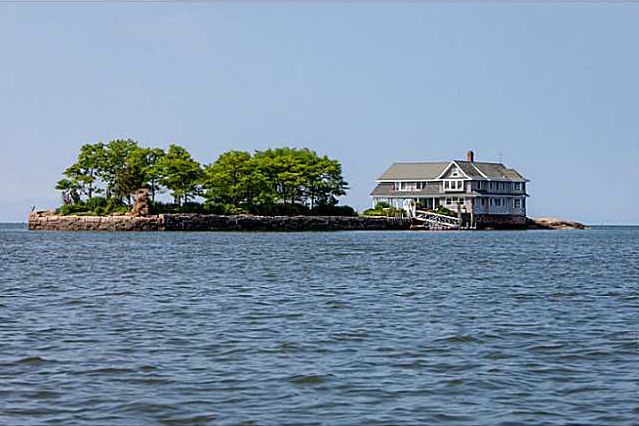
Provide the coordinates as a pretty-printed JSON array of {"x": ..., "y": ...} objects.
[{"x": 118, "y": 186}]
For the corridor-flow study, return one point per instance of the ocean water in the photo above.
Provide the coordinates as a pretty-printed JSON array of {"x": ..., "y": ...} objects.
[{"x": 528, "y": 327}]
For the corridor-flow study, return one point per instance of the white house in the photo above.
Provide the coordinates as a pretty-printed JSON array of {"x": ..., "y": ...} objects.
[{"x": 489, "y": 189}]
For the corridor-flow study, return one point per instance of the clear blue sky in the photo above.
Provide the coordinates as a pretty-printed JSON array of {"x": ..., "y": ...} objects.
[{"x": 551, "y": 88}]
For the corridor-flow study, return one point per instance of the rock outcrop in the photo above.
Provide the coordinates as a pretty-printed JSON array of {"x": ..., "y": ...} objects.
[
  {"x": 202, "y": 222},
  {"x": 41, "y": 221},
  {"x": 553, "y": 223},
  {"x": 141, "y": 206},
  {"x": 209, "y": 222}
]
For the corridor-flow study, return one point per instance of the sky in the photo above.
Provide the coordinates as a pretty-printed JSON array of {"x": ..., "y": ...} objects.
[{"x": 549, "y": 89}]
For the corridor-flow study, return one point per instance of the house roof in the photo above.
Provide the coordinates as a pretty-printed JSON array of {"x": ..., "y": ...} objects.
[
  {"x": 432, "y": 170},
  {"x": 421, "y": 171},
  {"x": 433, "y": 189},
  {"x": 386, "y": 189}
]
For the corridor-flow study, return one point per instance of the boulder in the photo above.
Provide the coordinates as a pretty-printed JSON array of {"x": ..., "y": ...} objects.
[
  {"x": 553, "y": 223},
  {"x": 141, "y": 206}
]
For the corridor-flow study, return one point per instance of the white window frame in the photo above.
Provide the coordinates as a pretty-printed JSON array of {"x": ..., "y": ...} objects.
[
  {"x": 408, "y": 186},
  {"x": 454, "y": 185}
]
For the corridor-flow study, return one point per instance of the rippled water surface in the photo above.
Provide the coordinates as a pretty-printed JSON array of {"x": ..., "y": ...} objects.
[{"x": 336, "y": 328}]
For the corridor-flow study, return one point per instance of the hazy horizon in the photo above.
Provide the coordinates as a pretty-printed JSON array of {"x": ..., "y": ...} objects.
[{"x": 550, "y": 89}]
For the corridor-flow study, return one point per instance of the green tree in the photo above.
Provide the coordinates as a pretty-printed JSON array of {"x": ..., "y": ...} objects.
[
  {"x": 234, "y": 179},
  {"x": 179, "y": 173},
  {"x": 132, "y": 175},
  {"x": 301, "y": 176},
  {"x": 324, "y": 182},
  {"x": 81, "y": 176},
  {"x": 69, "y": 190},
  {"x": 284, "y": 170},
  {"x": 114, "y": 158},
  {"x": 153, "y": 156}
]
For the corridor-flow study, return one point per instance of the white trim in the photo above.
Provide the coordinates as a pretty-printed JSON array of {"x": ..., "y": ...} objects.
[
  {"x": 439, "y": 180},
  {"x": 414, "y": 194},
  {"x": 406, "y": 180},
  {"x": 448, "y": 167}
]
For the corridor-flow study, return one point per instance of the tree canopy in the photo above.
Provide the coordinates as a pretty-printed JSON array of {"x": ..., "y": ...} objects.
[{"x": 273, "y": 181}]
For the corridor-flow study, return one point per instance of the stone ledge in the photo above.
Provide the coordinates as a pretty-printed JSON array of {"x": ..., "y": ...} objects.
[{"x": 45, "y": 221}]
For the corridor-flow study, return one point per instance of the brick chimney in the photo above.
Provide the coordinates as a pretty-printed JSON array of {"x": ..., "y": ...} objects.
[{"x": 470, "y": 156}]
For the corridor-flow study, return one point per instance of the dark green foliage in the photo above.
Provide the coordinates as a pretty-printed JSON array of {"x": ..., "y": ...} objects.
[
  {"x": 384, "y": 209},
  {"x": 180, "y": 174},
  {"x": 282, "y": 181},
  {"x": 190, "y": 207},
  {"x": 300, "y": 176},
  {"x": 98, "y": 206},
  {"x": 95, "y": 202},
  {"x": 330, "y": 210},
  {"x": 72, "y": 208},
  {"x": 444, "y": 211},
  {"x": 272, "y": 209}
]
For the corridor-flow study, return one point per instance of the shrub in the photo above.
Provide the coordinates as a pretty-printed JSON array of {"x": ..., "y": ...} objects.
[
  {"x": 443, "y": 210},
  {"x": 190, "y": 207},
  {"x": 374, "y": 212},
  {"x": 113, "y": 206},
  {"x": 384, "y": 209},
  {"x": 330, "y": 210},
  {"x": 280, "y": 210},
  {"x": 94, "y": 202},
  {"x": 230, "y": 210},
  {"x": 68, "y": 209}
]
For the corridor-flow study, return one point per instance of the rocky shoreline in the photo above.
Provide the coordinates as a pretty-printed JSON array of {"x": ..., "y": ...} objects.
[
  {"x": 553, "y": 223},
  {"x": 49, "y": 221}
]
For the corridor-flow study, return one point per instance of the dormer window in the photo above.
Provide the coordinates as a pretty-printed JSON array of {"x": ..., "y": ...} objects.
[{"x": 454, "y": 172}]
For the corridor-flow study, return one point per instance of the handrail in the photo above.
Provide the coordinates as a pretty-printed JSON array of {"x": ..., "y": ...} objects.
[{"x": 438, "y": 215}]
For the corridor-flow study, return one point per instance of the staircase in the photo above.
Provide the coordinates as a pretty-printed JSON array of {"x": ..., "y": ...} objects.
[{"x": 430, "y": 220}]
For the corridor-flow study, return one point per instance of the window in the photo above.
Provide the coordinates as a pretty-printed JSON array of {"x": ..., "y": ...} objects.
[
  {"x": 449, "y": 201},
  {"x": 454, "y": 172},
  {"x": 517, "y": 203},
  {"x": 483, "y": 201},
  {"x": 408, "y": 186},
  {"x": 454, "y": 185},
  {"x": 491, "y": 186},
  {"x": 517, "y": 186}
]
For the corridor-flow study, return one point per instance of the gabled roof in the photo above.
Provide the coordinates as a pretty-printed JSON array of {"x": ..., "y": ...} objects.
[
  {"x": 432, "y": 171},
  {"x": 417, "y": 171}
]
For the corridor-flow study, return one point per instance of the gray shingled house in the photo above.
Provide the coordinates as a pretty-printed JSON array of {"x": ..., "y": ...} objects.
[{"x": 490, "y": 190}]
